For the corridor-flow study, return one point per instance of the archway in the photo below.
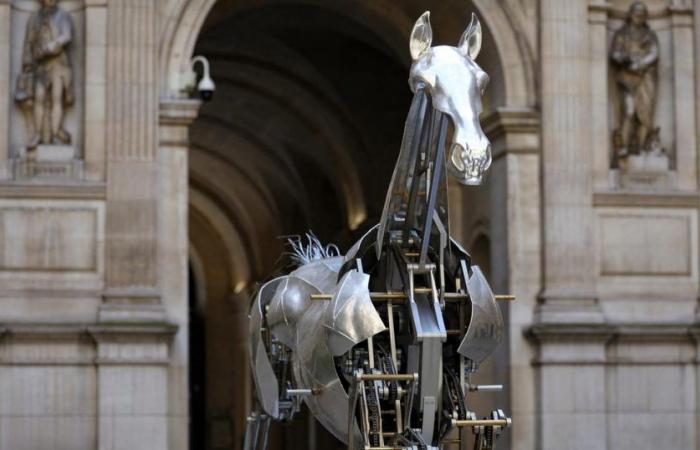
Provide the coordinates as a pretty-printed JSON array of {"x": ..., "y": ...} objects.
[{"x": 302, "y": 134}]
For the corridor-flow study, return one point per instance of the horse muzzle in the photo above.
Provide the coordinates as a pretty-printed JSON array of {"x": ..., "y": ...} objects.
[{"x": 468, "y": 165}]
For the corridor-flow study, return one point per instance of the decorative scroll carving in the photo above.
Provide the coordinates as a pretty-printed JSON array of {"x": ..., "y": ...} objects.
[
  {"x": 634, "y": 55},
  {"x": 44, "y": 86}
]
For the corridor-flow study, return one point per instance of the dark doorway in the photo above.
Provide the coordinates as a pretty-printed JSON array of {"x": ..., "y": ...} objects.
[{"x": 197, "y": 368}]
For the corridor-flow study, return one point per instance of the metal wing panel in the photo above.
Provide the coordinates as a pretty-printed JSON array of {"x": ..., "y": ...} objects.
[
  {"x": 314, "y": 368},
  {"x": 266, "y": 383},
  {"x": 485, "y": 330},
  {"x": 287, "y": 306},
  {"x": 292, "y": 297},
  {"x": 322, "y": 273},
  {"x": 351, "y": 317}
]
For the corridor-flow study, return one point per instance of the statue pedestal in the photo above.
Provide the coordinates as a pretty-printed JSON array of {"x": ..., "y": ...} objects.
[
  {"x": 645, "y": 171},
  {"x": 48, "y": 162},
  {"x": 53, "y": 153}
]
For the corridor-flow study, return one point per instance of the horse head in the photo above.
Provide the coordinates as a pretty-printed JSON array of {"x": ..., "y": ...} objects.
[{"x": 455, "y": 83}]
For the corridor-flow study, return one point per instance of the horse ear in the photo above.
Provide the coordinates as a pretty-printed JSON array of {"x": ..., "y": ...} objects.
[
  {"x": 421, "y": 36},
  {"x": 470, "y": 43}
]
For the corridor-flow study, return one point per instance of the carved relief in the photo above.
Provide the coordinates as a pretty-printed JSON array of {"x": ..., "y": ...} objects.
[{"x": 634, "y": 55}]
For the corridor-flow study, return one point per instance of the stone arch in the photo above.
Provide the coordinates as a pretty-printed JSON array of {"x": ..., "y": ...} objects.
[
  {"x": 183, "y": 25},
  {"x": 516, "y": 62},
  {"x": 186, "y": 18}
]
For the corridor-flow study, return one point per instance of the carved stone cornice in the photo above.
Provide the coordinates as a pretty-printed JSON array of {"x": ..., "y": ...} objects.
[
  {"x": 178, "y": 111},
  {"x": 174, "y": 118},
  {"x": 512, "y": 130}
]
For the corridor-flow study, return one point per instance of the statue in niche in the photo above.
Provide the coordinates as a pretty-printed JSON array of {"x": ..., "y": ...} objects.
[
  {"x": 44, "y": 88},
  {"x": 635, "y": 55}
]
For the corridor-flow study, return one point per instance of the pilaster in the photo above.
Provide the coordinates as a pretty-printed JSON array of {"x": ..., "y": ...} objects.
[
  {"x": 516, "y": 239},
  {"x": 175, "y": 116},
  {"x": 569, "y": 259},
  {"x": 132, "y": 167}
]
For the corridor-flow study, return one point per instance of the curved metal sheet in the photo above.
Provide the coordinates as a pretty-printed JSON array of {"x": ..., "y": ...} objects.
[
  {"x": 351, "y": 317},
  {"x": 314, "y": 368},
  {"x": 352, "y": 252},
  {"x": 485, "y": 330},
  {"x": 291, "y": 298},
  {"x": 266, "y": 384}
]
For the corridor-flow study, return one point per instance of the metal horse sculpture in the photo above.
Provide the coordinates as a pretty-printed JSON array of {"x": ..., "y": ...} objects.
[{"x": 380, "y": 344}]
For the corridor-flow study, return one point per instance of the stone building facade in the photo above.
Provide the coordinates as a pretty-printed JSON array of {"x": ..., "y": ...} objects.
[{"x": 128, "y": 251}]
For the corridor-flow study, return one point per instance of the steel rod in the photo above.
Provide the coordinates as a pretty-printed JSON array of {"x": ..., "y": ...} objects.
[
  {"x": 387, "y": 377},
  {"x": 481, "y": 423},
  {"x": 380, "y": 296}
]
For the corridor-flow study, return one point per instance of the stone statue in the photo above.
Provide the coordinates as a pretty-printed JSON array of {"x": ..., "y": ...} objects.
[
  {"x": 44, "y": 87},
  {"x": 635, "y": 54}
]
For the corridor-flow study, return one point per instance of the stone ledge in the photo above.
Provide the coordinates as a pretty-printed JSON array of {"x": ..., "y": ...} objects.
[
  {"x": 67, "y": 191},
  {"x": 131, "y": 306},
  {"x": 85, "y": 344},
  {"x": 58, "y": 330},
  {"x": 646, "y": 199},
  {"x": 556, "y": 343},
  {"x": 600, "y": 6},
  {"x": 617, "y": 331}
]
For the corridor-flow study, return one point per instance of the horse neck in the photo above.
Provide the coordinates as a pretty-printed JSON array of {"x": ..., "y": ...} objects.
[{"x": 410, "y": 202}]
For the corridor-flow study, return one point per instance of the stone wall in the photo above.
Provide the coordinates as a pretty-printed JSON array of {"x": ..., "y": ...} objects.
[{"x": 602, "y": 343}]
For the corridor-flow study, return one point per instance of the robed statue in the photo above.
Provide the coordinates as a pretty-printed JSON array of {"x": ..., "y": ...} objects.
[
  {"x": 635, "y": 55},
  {"x": 44, "y": 87}
]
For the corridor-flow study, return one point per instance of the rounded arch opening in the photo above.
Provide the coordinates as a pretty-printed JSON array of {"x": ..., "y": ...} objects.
[{"x": 302, "y": 134}]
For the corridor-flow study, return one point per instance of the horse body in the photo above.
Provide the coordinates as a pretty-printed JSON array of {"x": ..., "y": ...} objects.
[{"x": 380, "y": 343}]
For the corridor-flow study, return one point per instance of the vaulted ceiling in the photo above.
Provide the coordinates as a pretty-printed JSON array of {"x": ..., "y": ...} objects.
[{"x": 307, "y": 119}]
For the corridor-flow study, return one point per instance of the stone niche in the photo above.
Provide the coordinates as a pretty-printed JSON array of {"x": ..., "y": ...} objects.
[
  {"x": 51, "y": 159},
  {"x": 671, "y": 166}
]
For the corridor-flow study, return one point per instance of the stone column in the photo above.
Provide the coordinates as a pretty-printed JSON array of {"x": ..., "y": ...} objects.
[
  {"x": 5, "y": 85},
  {"x": 516, "y": 228},
  {"x": 175, "y": 117},
  {"x": 134, "y": 341},
  {"x": 569, "y": 254},
  {"x": 132, "y": 171}
]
